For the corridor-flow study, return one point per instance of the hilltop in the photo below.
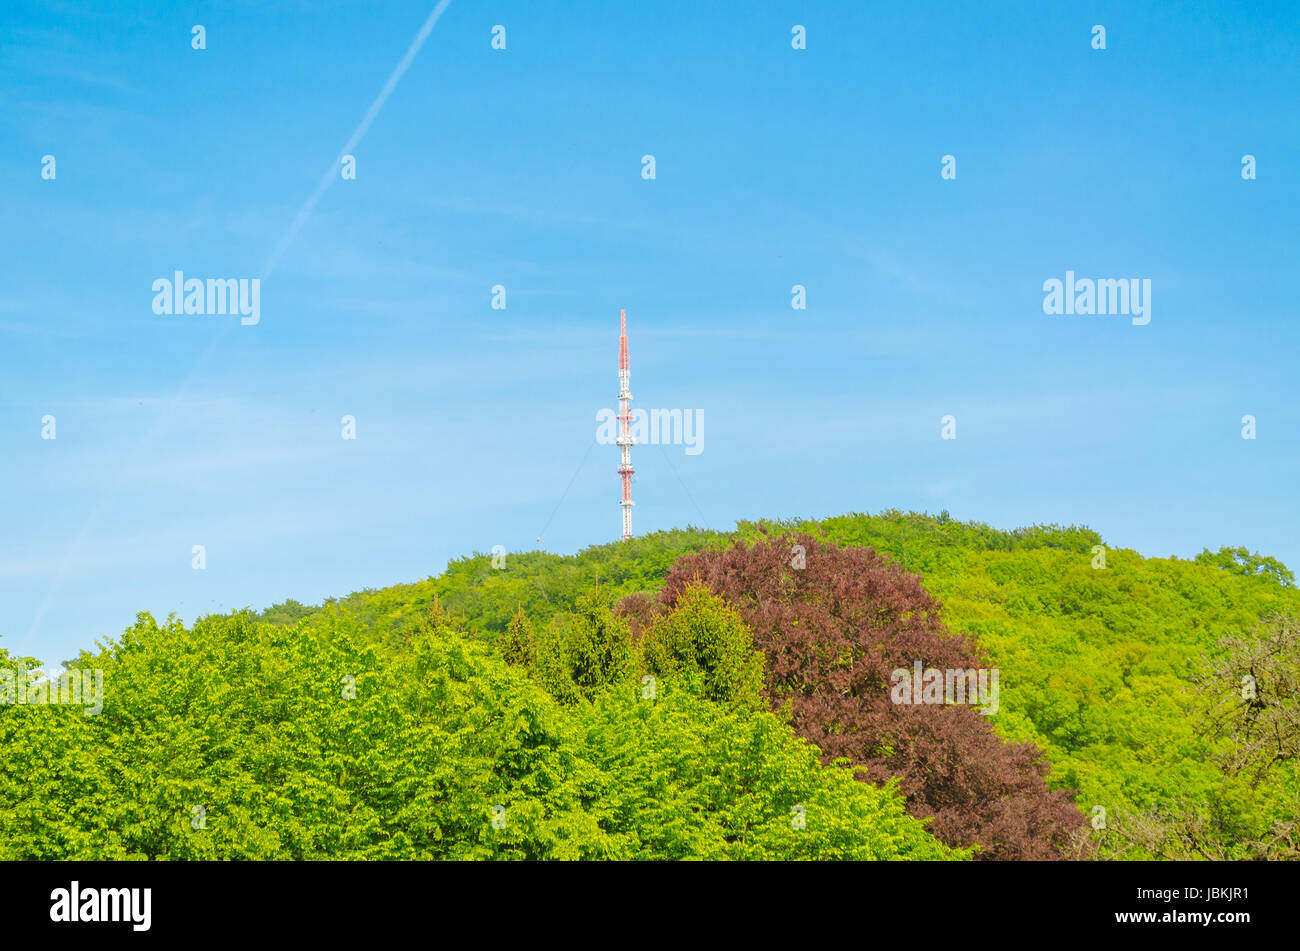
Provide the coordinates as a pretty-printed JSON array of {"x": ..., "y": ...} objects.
[
  {"x": 1097, "y": 664},
  {"x": 501, "y": 709}
]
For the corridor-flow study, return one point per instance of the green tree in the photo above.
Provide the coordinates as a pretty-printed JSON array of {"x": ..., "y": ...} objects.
[
  {"x": 704, "y": 642},
  {"x": 243, "y": 739},
  {"x": 586, "y": 652},
  {"x": 519, "y": 648},
  {"x": 1242, "y": 561}
]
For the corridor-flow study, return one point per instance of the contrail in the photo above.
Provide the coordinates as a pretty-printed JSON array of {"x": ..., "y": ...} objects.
[
  {"x": 303, "y": 214},
  {"x": 332, "y": 173}
]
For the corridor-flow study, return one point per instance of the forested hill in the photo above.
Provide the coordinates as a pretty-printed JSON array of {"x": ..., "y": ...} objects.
[
  {"x": 545, "y": 584},
  {"x": 1096, "y": 663},
  {"x": 693, "y": 694}
]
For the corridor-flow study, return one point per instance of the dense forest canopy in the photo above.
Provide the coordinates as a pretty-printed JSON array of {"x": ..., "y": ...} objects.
[{"x": 695, "y": 694}]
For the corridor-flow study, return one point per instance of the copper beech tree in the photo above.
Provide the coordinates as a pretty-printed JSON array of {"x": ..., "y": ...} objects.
[{"x": 833, "y": 624}]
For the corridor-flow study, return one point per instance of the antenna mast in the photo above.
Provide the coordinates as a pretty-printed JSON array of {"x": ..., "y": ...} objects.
[{"x": 624, "y": 440}]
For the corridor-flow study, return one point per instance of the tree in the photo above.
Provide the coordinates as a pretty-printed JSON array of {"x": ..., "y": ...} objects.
[
  {"x": 243, "y": 739},
  {"x": 1254, "y": 693},
  {"x": 518, "y": 648},
  {"x": 832, "y": 632},
  {"x": 1248, "y": 702},
  {"x": 1241, "y": 561},
  {"x": 582, "y": 654},
  {"x": 705, "y": 644},
  {"x": 599, "y": 646}
]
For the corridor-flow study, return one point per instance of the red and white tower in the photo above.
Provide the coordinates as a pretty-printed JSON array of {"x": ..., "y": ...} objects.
[{"x": 624, "y": 440}]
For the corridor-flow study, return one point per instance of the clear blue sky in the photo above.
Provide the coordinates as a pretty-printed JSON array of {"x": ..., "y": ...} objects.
[{"x": 775, "y": 167}]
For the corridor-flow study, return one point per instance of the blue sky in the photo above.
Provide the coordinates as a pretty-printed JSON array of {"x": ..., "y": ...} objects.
[{"x": 522, "y": 167}]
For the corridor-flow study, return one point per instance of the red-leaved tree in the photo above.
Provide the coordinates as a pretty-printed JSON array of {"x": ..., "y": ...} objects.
[{"x": 832, "y": 632}]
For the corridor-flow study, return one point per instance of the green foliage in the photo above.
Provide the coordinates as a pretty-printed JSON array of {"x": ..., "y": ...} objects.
[
  {"x": 314, "y": 742},
  {"x": 1241, "y": 561},
  {"x": 1097, "y": 665},
  {"x": 243, "y": 714},
  {"x": 597, "y": 646},
  {"x": 586, "y": 652},
  {"x": 519, "y": 647},
  {"x": 551, "y": 668},
  {"x": 1250, "y": 725},
  {"x": 726, "y": 783},
  {"x": 704, "y": 644},
  {"x": 544, "y": 585},
  {"x": 286, "y": 612}
]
